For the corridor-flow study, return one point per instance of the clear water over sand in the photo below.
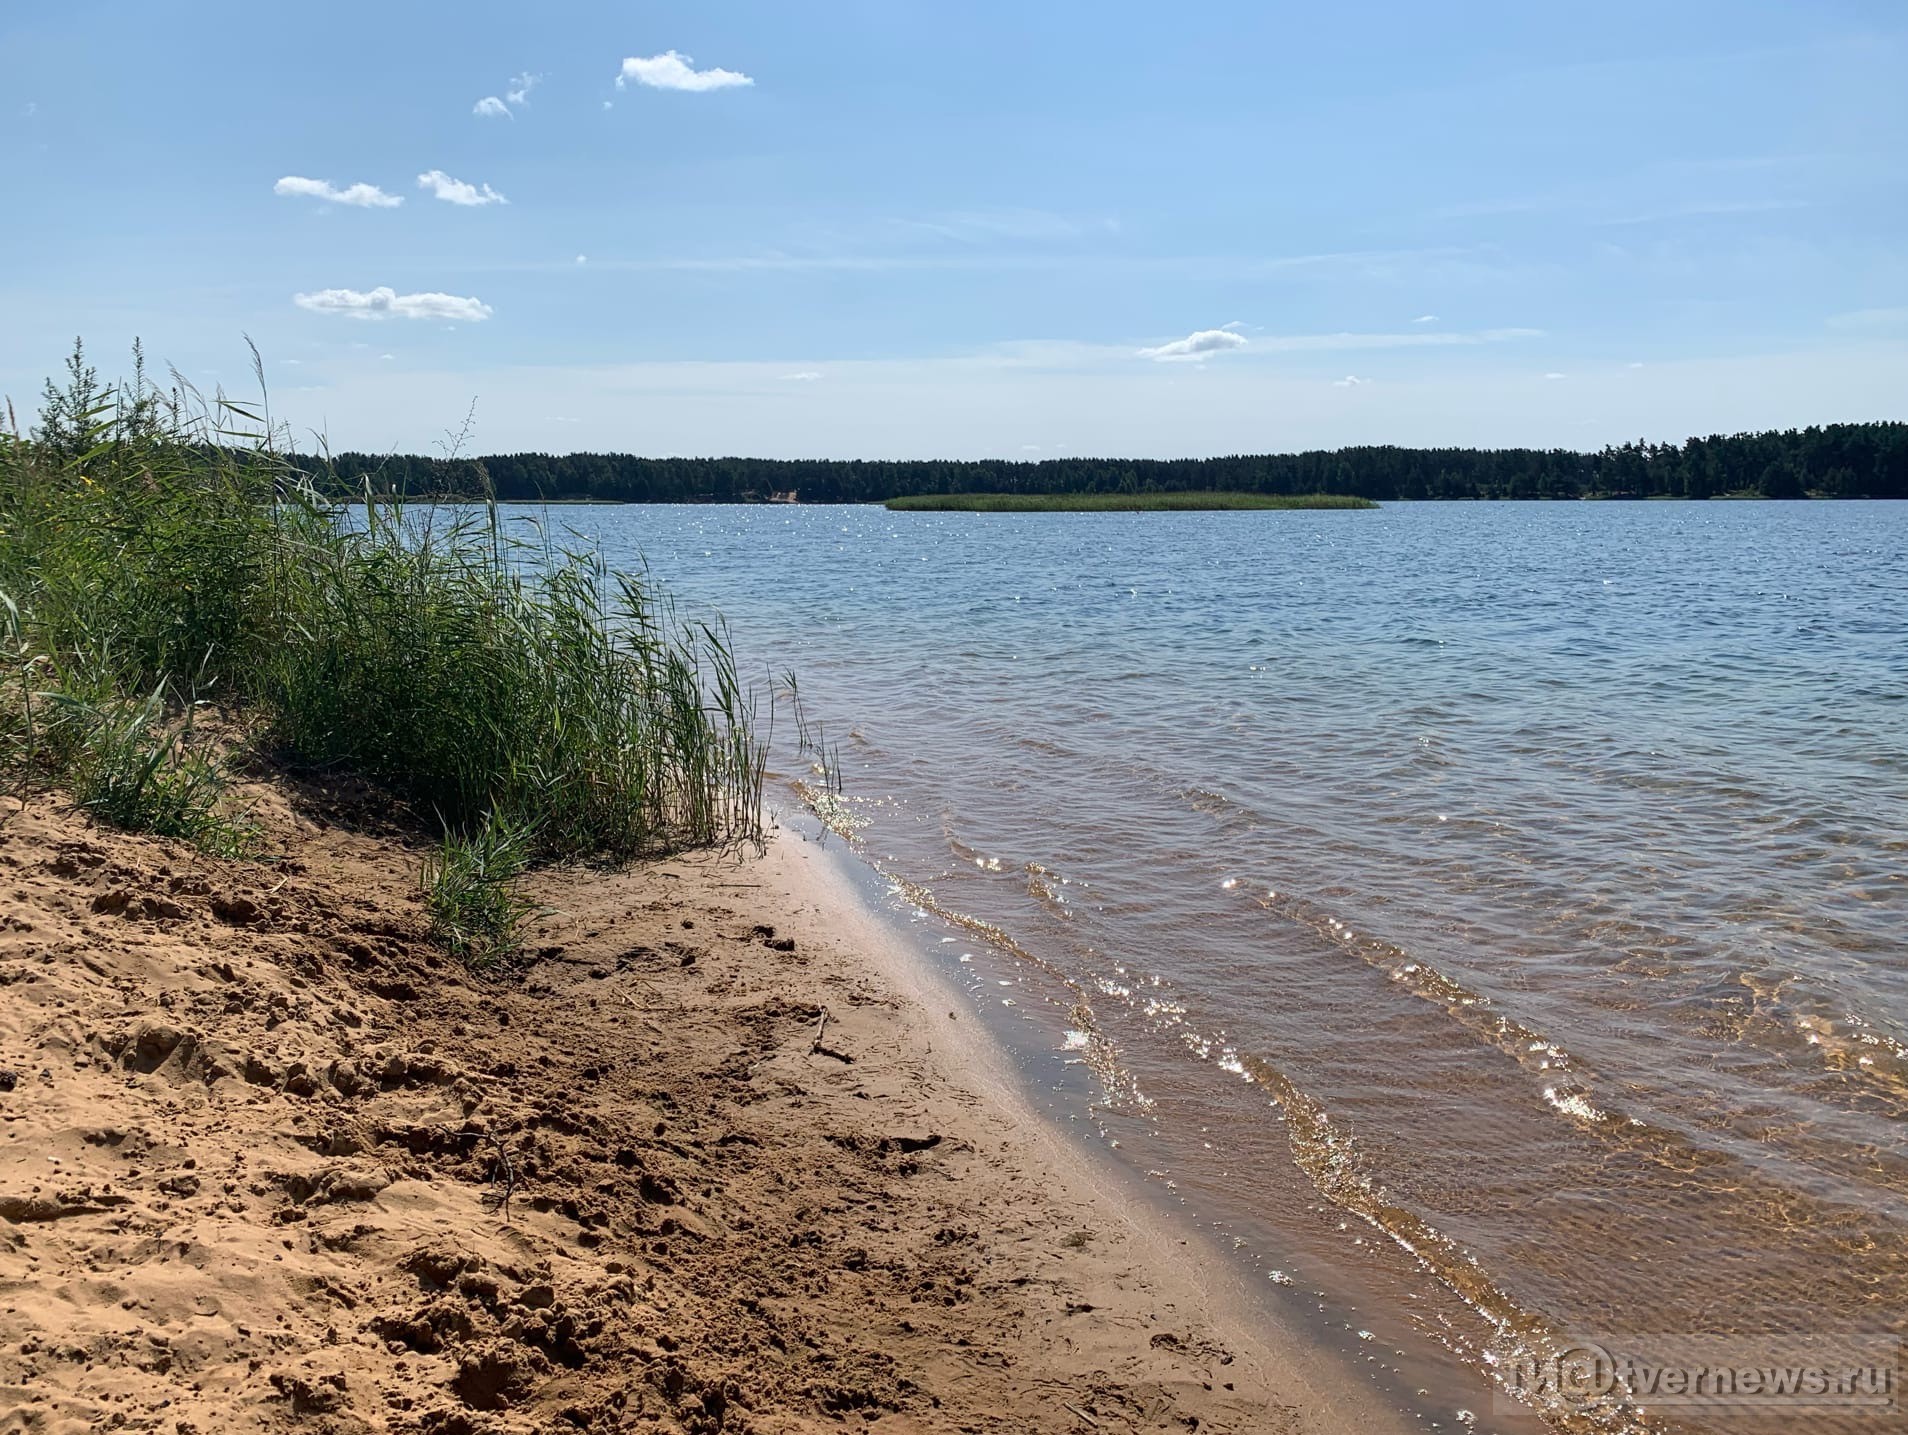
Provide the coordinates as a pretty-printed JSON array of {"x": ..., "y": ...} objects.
[{"x": 1527, "y": 884}]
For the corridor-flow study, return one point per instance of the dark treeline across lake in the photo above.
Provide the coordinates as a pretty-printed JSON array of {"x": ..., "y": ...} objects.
[{"x": 1838, "y": 461}]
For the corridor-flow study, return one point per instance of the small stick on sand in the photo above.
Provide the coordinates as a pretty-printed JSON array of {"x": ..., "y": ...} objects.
[
  {"x": 1081, "y": 1413},
  {"x": 503, "y": 1159},
  {"x": 509, "y": 1174},
  {"x": 815, "y": 1047}
]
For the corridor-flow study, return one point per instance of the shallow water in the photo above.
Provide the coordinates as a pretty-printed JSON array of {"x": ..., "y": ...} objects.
[{"x": 1523, "y": 883}]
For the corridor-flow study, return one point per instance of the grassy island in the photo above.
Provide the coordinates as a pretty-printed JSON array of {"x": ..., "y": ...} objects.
[{"x": 1188, "y": 502}]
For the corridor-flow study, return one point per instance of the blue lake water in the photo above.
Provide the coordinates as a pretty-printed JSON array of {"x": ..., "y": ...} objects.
[{"x": 1499, "y": 910}]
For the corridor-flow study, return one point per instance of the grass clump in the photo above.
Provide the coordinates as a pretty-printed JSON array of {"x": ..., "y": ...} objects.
[
  {"x": 1172, "y": 502},
  {"x": 160, "y": 552},
  {"x": 476, "y": 675},
  {"x": 129, "y": 767},
  {"x": 472, "y": 894}
]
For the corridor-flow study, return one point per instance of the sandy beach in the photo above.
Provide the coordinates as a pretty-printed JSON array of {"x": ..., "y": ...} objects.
[{"x": 716, "y": 1158}]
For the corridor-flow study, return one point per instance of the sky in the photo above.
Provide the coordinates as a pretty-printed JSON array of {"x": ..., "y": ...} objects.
[{"x": 901, "y": 229}]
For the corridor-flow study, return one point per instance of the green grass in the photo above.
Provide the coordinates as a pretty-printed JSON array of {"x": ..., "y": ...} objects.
[
  {"x": 158, "y": 553},
  {"x": 131, "y": 767},
  {"x": 1116, "y": 502},
  {"x": 471, "y": 892}
]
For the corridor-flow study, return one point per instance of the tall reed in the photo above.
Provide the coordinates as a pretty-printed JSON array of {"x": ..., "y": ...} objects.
[{"x": 161, "y": 549}]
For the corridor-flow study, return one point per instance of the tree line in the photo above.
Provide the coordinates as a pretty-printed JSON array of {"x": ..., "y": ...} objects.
[
  {"x": 1868, "y": 460},
  {"x": 1864, "y": 460}
]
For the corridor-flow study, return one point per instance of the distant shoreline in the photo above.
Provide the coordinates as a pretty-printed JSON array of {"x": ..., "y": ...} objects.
[
  {"x": 1067, "y": 503},
  {"x": 1857, "y": 460}
]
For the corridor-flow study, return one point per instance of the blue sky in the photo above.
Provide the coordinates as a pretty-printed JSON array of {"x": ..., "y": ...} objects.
[{"x": 970, "y": 229}]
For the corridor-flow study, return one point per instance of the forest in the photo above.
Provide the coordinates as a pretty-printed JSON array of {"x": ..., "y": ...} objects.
[
  {"x": 1857, "y": 460},
  {"x": 1867, "y": 460}
]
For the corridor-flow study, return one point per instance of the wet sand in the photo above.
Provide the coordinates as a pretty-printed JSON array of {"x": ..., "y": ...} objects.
[{"x": 720, "y": 1158}]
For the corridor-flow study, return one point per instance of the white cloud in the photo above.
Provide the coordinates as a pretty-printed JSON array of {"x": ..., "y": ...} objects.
[
  {"x": 1350, "y": 381},
  {"x": 673, "y": 71},
  {"x": 1200, "y": 345},
  {"x": 520, "y": 87},
  {"x": 456, "y": 191},
  {"x": 1425, "y": 319},
  {"x": 491, "y": 108},
  {"x": 806, "y": 376},
  {"x": 362, "y": 196},
  {"x": 386, "y": 303},
  {"x": 1554, "y": 376},
  {"x": 582, "y": 259}
]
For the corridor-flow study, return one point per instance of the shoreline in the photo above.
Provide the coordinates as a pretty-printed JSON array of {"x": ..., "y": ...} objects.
[
  {"x": 1412, "y": 1372},
  {"x": 1168, "y": 1251},
  {"x": 722, "y": 1157}
]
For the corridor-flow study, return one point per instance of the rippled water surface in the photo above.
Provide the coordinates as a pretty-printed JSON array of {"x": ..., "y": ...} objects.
[{"x": 1524, "y": 882}]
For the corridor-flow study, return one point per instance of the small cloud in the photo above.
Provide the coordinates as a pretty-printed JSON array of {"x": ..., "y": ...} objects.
[
  {"x": 456, "y": 191},
  {"x": 582, "y": 259},
  {"x": 294, "y": 363},
  {"x": 609, "y": 104},
  {"x": 1350, "y": 381},
  {"x": 673, "y": 71},
  {"x": 361, "y": 196},
  {"x": 1237, "y": 326},
  {"x": 1030, "y": 448},
  {"x": 806, "y": 376},
  {"x": 563, "y": 419},
  {"x": 386, "y": 303},
  {"x": 32, "y": 108},
  {"x": 1200, "y": 345},
  {"x": 491, "y": 108},
  {"x": 382, "y": 357},
  {"x": 1425, "y": 319},
  {"x": 520, "y": 87},
  {"x": 1635, "y": 364},
  {"x": 1556, "y": 376}
]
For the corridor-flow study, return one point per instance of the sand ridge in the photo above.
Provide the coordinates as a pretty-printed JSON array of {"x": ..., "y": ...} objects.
[{"x": 270, "y": 1161}]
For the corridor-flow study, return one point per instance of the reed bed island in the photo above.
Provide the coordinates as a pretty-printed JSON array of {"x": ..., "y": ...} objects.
[{"x": 1155, "y": 502}]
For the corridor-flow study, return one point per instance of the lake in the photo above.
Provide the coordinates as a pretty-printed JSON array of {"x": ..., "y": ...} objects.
[{"x": 1490, "y": 916}]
